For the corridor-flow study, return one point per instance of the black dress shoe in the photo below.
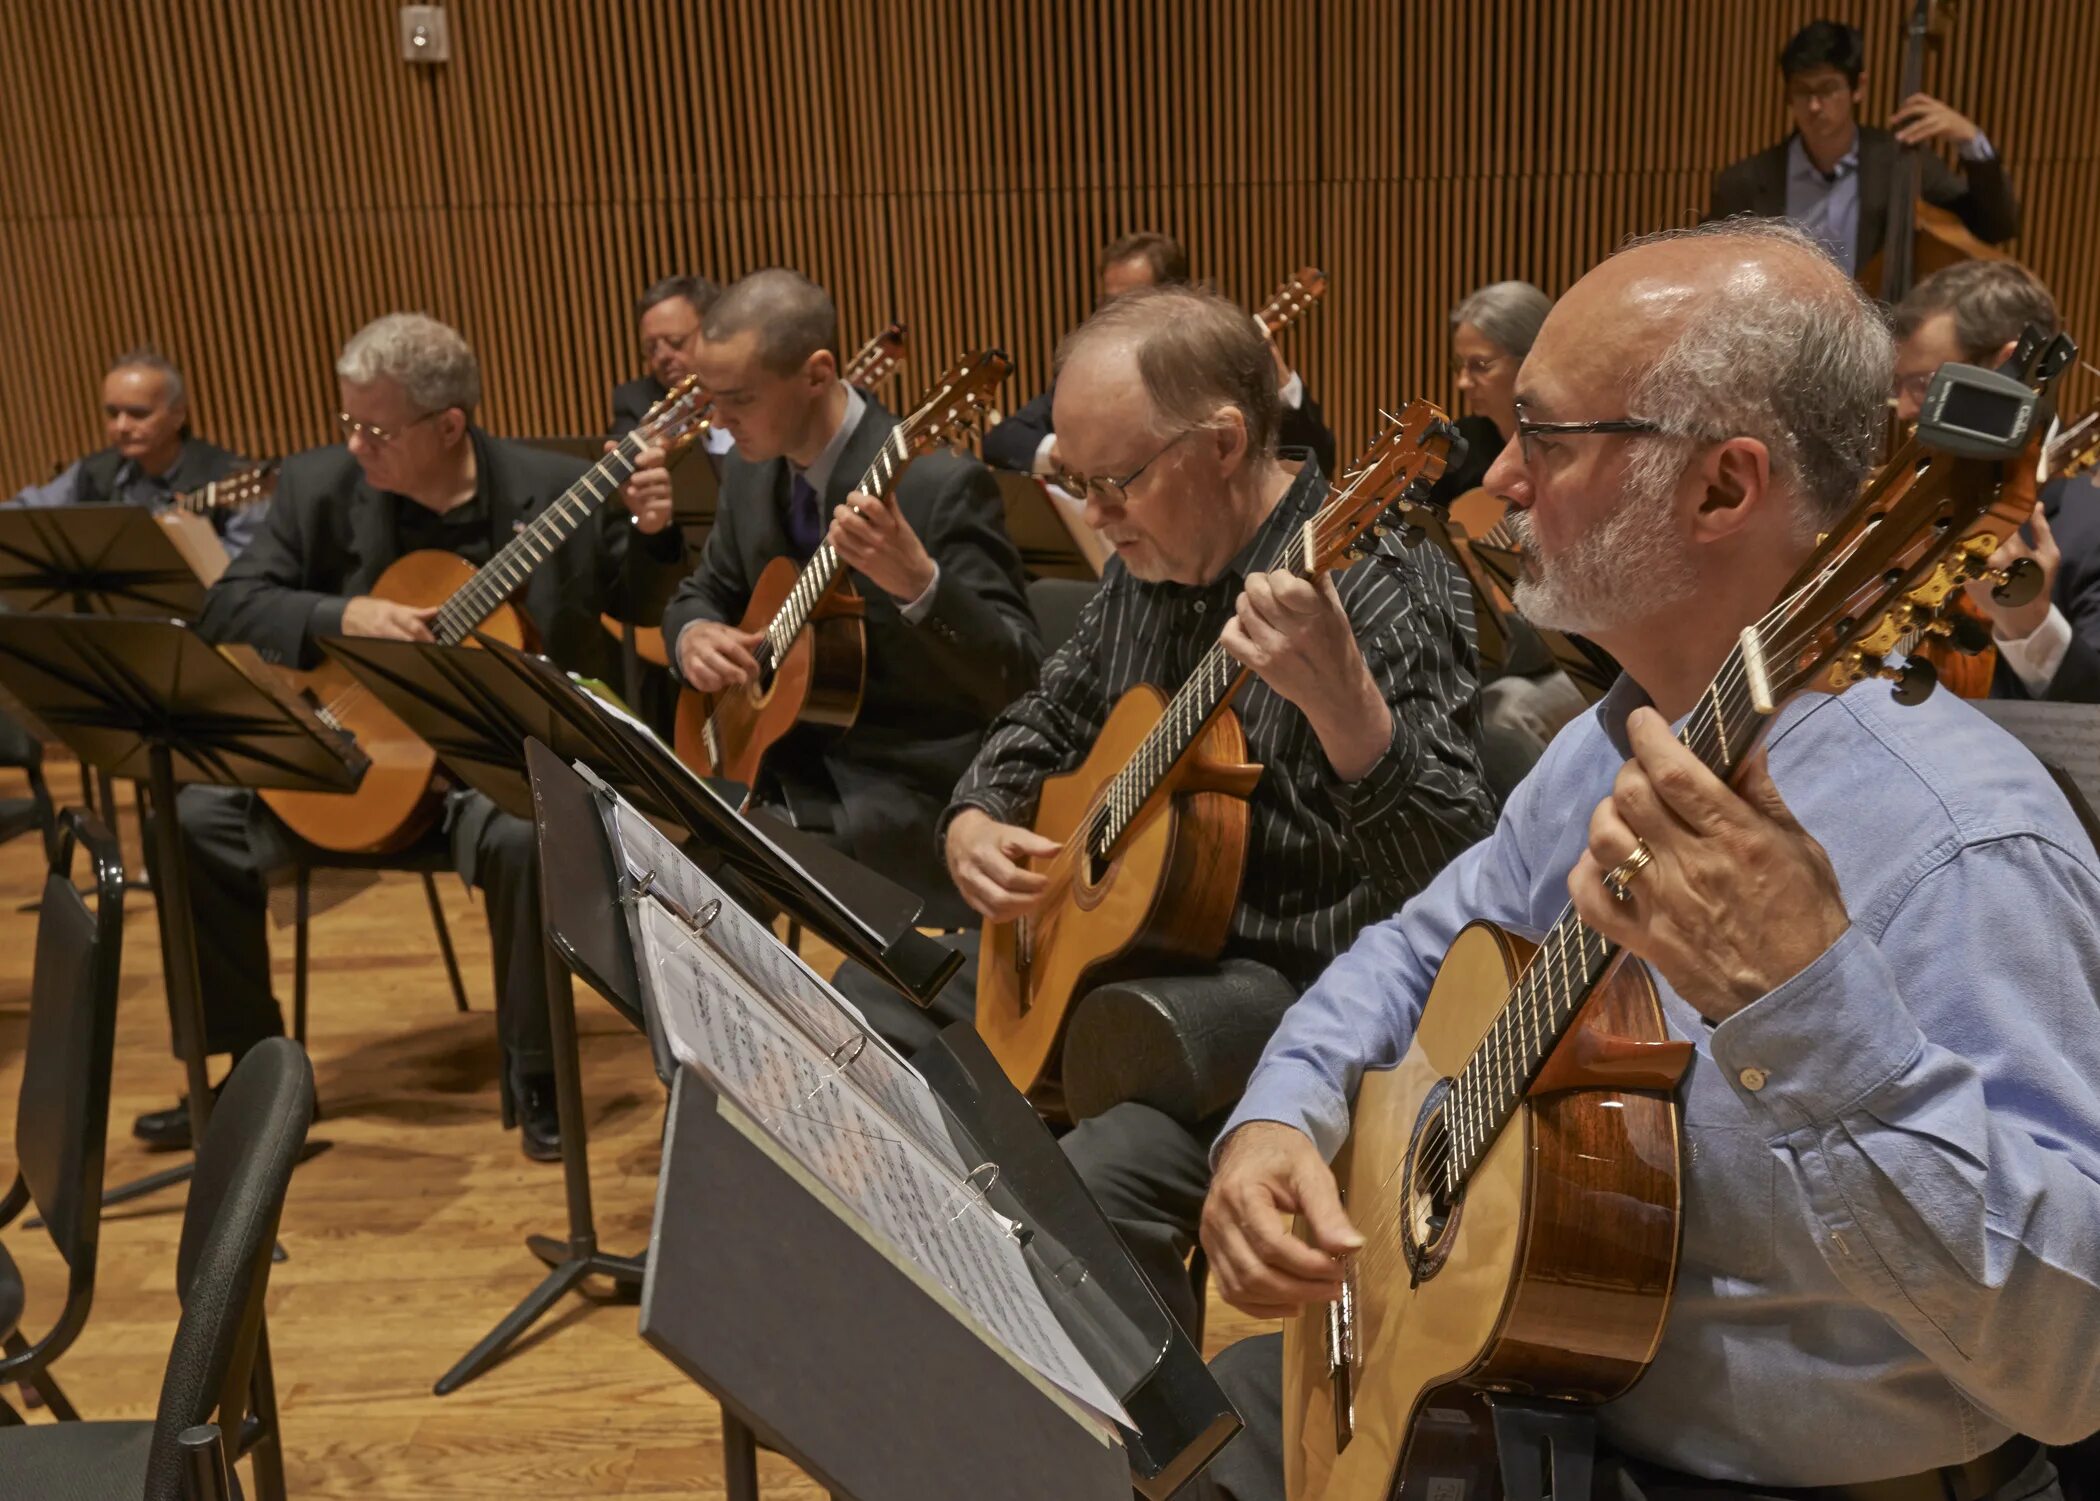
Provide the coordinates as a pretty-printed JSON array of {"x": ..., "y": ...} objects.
[
  {"x": 168, "y": 1130},
  {"x": 539, "y": 1122}
]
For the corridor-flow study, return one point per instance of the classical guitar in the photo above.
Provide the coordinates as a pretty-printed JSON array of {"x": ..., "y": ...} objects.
[
  {"x": 1152, "y": 826},
  {"x": 872, "y": 364},
  {"x": 1516, "y": 1176},
  {"x": 813, "y": 661},
  {"x": 190, "y": 517},
  {"x": 1293, "y": 300},
  {"x": 877, "y": 360},
  {"x": 398, "y": 798}
]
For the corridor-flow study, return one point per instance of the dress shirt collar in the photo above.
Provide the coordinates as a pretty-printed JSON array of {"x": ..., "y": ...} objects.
[
  {"x": 1800, "y": 169},
  {"x": 819, "y": 473}
]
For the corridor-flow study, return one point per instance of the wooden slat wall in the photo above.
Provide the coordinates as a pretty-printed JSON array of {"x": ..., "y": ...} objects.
[{"x": 245, "y": 181}]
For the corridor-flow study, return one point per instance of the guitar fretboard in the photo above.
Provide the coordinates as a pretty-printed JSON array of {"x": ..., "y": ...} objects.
[
  {"x": 822, "y": 569},
  {"x": 497, "y": 579},
  {"x": 1720, "y": 731}
]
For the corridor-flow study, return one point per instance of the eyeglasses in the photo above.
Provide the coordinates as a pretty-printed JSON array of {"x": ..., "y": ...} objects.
[
  {"x": 676, "y": 342},
  {"x": 1478, "y": 366},
  {"x": 1915, "y": 386},
  {"x": 1526, "y": 431},
  {"x": 1107, "y": 489},
  {"x": 371, "y": 432}
]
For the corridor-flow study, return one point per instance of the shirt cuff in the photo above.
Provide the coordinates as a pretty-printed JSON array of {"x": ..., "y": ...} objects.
[
  {"x": 921, "y": 607},
  {"x": 1813, "y": 1048},
  {"x": 1292, "y": 392},
  {"x": 1293, "y": 1092},
  {"x": 1377, "y": 792},
  {"x": 2036, "y": 656},
  {"x": 1039, "y": 466},
  {"x": 1978, "y": 150}
]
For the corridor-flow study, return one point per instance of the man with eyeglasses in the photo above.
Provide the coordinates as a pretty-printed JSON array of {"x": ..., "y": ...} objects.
[
  {"x": 950, "y": 640},
  {"x": 413, "y": 472},
  {"x": 2048, "y": 648},
  {"x": 1027, "y": 440},
  {"x": 1831, "y": 176},
  {"x": 668, "y": 315},
  {"x": 1362, "y": 711},
  {"x": 1890, "y": 1139},
  {"x": 152, "y": 454}
]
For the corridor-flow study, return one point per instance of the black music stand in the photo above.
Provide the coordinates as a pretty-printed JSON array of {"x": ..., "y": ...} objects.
[
  {"x": 808, "y": 1333},
  {"x": 1054, "y": 540},
  {"x": 110, "y": 560},
  {"x": 492, "y": 715},
  {"x": 149, "y": 699}
]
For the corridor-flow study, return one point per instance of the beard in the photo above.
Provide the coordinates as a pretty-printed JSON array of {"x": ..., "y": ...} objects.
[{"x": 1626, "y": 569}]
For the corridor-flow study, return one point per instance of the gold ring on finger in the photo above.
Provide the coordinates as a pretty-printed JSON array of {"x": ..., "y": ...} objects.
[{"x": 1619, "y": 879}]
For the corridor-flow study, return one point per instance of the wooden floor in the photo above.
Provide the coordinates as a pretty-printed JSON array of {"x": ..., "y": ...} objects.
[{"x": 405, "y": 1239}]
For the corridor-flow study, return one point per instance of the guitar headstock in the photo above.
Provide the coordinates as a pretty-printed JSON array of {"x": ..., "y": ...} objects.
[
  {"x": 1925, "y": 525},
  {"x": 877, "y": 360},
  {"x": 1289, "y": 302},
  {"x": 678, "y": 420},
  {"x": 1386, "y": 487},
  {"x": 244, "y": 487},
  {"x": 958, "y": 401}
]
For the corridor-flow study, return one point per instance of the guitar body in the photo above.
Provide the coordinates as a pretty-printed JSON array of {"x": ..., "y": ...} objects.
[
  {"x": 1550, "y": 1278},
  {"x": 819, "y": 681},
  {"x": 1164, "y": 902},
  {"x": 398, "y": 801}
]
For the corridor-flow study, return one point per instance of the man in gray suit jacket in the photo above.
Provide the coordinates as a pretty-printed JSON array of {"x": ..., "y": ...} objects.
[
  {"x": 950, "y": 638},
  {"x": 413, "y": 473},
  {"x": 1832, "y": 176}
]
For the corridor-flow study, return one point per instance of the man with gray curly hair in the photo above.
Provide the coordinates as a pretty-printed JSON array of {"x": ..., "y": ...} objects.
[
  {"x": 413, "y": 473},
  {"x": 1891, "y": 1165}
]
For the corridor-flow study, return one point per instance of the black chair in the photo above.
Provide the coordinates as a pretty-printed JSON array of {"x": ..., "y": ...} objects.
[
  {"x": 1056, "y": 604},
  {"x": 219, "y": 1367},
  {"x": 62, "y": 1116},
  {"x": 18, "y": 815},
  {"x": 427, "y": 864}
]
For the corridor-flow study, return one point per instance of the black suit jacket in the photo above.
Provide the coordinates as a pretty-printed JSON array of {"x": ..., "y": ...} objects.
[
  {"x": 2073, "y": 509},
  {"x": 1012, "y": 444},
  {"x": 631, "y": 401},
  {"x": 330, "y": 535},
  {"x": 1980, "y": 193},
  {"x": 932, "y": 688}
]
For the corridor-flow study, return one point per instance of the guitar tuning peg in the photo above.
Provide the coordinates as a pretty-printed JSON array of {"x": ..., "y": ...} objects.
[
  {"x": 1914, "y": 680},
  {"x": 2017, "y": 585}
]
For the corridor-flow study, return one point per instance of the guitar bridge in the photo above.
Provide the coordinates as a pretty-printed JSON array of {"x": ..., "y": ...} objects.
[{"x": 1343, "y": 1356}]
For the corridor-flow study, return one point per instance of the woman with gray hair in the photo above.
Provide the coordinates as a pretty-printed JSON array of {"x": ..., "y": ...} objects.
[{"x": 1491, "y": 332}]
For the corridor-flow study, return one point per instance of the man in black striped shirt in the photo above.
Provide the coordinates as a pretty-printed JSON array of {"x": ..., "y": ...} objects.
[{"x": 1363, "y": 710}]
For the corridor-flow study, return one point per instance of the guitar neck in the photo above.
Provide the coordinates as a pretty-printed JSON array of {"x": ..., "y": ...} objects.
[
  {"x": 824, "y": 566},
  {"x": 1721, "y": 731},
  {"x": 499, "y": 578}
]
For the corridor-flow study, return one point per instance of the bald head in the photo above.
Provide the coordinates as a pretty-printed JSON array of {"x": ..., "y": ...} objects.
[{"x": 1744, "y": 328}]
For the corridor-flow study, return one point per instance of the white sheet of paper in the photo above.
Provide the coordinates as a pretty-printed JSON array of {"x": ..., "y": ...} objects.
[{"x": 904, "y": 1189}]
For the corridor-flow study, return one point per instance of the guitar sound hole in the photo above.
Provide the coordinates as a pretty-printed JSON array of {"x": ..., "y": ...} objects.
[{"x": 1429, "y": 1209}]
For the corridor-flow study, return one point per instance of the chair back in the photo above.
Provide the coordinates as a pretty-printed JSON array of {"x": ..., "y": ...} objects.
[
  {"x": 222, "y": 1271},
  {"x": 1056, "y": 605},
  {"x": 62, "y": 1113}
]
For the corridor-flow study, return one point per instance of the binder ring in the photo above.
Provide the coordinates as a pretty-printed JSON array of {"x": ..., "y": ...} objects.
[{"x": 707, "y": 913}]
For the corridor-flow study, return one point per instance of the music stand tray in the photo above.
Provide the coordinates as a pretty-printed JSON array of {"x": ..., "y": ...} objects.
[{"x": 150, "y": 699}]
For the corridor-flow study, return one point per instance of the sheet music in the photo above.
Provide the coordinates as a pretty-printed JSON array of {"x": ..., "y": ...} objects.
[
  {"x": 900, "y": 1175},
  {"x": 2067, "y": 736}
]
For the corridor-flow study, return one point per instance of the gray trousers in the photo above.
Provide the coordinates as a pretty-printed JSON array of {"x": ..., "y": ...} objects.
[
  {"x": 1250, "y": 1466},
  {"x": 233, "y": 843}
]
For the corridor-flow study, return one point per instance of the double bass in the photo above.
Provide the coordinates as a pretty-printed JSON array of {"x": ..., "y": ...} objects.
[{"x": 1922, "y": 237}]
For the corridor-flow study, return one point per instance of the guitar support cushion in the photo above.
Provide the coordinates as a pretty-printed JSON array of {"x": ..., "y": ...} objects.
[{"x": 1183, "y": 1044}]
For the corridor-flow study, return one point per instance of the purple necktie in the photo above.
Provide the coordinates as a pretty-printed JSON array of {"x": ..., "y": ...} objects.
[{"x": 804, "y": 528}]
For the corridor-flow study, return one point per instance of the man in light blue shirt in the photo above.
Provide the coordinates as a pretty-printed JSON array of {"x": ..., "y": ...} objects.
[
  {"x": 152, "y": 455},
  {"x": 1884, "y": 946},
  {"x": 1833, "y": 176}
]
